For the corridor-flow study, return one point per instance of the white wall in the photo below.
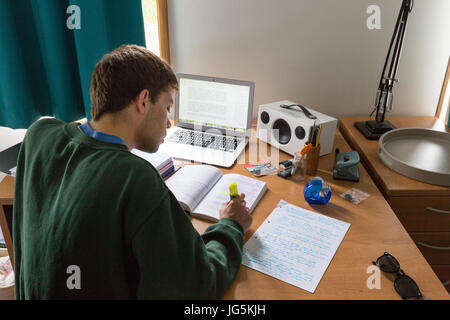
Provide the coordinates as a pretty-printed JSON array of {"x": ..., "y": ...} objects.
[{"x": 316, "y": 52}]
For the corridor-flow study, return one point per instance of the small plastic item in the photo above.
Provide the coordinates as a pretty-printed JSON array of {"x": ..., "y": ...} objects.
[
  {"x": 285, "y": 173},
  {"x": 261, "y": 168},
  {"x": 295, "y": 166},
  {"x": 355, "y": 196},
  {"x": 317, "y": 191},
  {"x": 286, "y": 168},
  {"x": 285, "y": 164},
  {"x": 299, "y": 169}
]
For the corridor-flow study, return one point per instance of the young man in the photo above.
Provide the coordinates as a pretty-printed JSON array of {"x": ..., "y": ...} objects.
[{"x": 93, "y": 221}]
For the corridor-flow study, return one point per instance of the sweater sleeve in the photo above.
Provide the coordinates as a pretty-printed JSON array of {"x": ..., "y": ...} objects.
[{"x": 175, "y": 262}]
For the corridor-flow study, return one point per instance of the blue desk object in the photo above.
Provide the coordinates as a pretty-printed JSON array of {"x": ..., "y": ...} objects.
[{"x": 316, "y": 191}]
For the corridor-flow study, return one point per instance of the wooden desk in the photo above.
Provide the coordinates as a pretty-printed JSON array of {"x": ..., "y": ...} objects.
[
  {"x": 374, "y": 229},
  {"x": 412, "y": 201}
]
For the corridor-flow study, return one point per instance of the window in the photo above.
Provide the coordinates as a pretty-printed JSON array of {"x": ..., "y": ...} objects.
[
  {"x": 156, "y": 27},
  {"x": 443, "y": 109}
]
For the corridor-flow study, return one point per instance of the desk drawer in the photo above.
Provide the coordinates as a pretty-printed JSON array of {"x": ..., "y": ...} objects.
[
  {"x": 443, "y": 273},
  {"x": 435, "y": 246},
  {"x": 419, "y": 214}
]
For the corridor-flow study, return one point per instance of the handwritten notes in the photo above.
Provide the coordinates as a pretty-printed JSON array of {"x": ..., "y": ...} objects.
[{"x": 294, "y": 245}]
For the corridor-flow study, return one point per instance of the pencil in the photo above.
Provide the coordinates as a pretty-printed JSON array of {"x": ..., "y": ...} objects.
[{"x": 318, "y": 136}]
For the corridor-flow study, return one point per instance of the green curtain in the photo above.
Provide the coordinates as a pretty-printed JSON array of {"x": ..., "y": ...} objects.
[{"x": 45, "y": 67}]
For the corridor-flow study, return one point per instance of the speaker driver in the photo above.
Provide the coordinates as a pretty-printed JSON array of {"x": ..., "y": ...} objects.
[
  {"x": 283, "y": 133},
  {"x": 300, "y": 132},
  {"x": 265, "y": 117}
]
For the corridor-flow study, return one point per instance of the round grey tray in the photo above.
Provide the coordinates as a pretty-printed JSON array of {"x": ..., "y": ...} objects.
[{"x": 421, "y": 154}]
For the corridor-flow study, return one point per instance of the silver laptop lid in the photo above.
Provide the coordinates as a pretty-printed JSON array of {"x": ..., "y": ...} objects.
[{"x": 214, "y": 104}]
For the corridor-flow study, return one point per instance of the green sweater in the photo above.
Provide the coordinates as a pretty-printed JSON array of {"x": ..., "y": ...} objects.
[{"x": 94, "y": 205}]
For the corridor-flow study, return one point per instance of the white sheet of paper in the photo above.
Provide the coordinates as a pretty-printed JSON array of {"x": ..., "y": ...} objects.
[{"x": 294, "y": 245}]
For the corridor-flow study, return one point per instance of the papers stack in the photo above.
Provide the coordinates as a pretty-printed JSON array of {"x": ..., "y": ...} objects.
[
  {"x": 294, "y": 245},
  {"x": 161, "y": 161}
]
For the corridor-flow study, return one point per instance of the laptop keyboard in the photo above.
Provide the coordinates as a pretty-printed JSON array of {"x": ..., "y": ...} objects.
[{"x": 205, "y": 140}]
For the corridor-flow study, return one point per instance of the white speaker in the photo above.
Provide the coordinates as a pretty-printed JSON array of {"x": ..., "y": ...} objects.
[{"x": 289, "y": 128}]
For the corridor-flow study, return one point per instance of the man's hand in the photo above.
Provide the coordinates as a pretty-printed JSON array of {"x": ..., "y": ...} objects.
[{"x": 236, "y": 209}]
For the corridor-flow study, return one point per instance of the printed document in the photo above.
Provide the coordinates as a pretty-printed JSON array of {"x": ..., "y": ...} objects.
[{"x": 294, "y": 245}]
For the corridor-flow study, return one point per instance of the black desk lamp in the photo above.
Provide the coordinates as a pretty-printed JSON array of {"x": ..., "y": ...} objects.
[{"x": 373, "y": 129}]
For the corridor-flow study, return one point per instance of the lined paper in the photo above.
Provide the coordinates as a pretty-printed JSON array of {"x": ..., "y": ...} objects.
[{"x": 294, "y": 245}]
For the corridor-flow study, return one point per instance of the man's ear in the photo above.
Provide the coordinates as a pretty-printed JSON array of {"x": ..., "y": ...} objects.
[{"x": 142, "y": 101}]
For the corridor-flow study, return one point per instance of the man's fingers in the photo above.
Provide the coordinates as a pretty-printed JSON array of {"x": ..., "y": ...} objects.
[
  {"x": 239, "y": 198},
  {"x": 242, "y": 196}
]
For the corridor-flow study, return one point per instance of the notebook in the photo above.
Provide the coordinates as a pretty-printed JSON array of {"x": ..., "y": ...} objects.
[
  {"x": 213, "y": 118},
  {"x": 201, "y": 190}
]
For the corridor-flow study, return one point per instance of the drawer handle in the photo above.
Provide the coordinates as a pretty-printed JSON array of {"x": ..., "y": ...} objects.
[
  {"x": 437, "y": 210},
  {"x": 432, "y": 247}
]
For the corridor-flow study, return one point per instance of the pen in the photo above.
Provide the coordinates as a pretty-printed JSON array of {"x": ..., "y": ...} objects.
[
  {"x": 314, "y": 139},
  {"x": 312, "y": 131},
  {"x": 233, "y": 190}
]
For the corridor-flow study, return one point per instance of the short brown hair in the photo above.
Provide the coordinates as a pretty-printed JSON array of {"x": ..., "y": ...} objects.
[{"x": 123, "y": 73}]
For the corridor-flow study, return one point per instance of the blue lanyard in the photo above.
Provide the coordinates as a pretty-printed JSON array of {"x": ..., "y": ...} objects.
[{"x": 87, "y": 129}]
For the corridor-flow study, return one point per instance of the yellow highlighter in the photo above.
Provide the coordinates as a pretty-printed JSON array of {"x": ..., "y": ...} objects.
[
  {"x": 318, "y": 136},
  {"x": 233, "y": 190}
]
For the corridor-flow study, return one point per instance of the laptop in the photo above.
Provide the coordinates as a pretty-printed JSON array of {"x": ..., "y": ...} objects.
[{"x": 213, "y": 118}]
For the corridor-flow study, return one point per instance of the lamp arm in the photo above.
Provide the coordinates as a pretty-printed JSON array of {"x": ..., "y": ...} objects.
[{"x": 384, "y": 94}]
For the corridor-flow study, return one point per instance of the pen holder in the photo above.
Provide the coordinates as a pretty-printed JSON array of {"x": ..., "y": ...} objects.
[{"x": 312, "y": 160}]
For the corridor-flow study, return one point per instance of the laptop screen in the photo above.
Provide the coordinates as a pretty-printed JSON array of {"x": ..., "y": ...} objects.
[{"x": 215, "y": 104}]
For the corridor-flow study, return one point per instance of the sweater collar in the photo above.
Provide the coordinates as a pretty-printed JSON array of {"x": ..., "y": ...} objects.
[
  {"x": 87, "y": 129},
  {"x": 73, "y": 130}
]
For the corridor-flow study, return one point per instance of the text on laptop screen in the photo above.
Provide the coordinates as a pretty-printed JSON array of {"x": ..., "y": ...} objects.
[{"x": 214, "y": 104}]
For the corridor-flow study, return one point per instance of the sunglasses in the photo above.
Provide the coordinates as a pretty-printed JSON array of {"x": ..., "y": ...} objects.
[{"x": 405, "y": 286}]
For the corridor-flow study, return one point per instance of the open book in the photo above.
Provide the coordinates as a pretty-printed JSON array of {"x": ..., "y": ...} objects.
[{"x": 201, "y": 190}]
